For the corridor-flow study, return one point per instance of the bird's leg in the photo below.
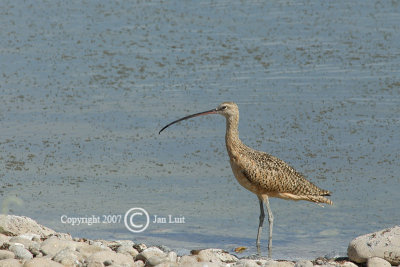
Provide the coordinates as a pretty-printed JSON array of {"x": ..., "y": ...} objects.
[
  {"x": 262, "y": 216},
  {"x": 271, "y": 224}
]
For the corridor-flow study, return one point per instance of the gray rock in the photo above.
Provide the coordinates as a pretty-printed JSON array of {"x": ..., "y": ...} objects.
[
  {"x": 155, "y": 261},
  {"x": 34, "y": 248},
  {"x": 172, "y": 257},
  {"x": 286, "y": 264},
  {"x": 377, "y": 262},
  {"x": 348, "y": 264},
  {"x": 108, "y": 263},
  {"x": 321, "y": 261},
  {"x": 86, "y": 251},
  {"x": 139, "y": 247},
  {"x": 206, "y": 264},
  {"x": 42, "y": 262},
  {"x": 20, "y": 252},
  {"x": 328, "y": 264},
  {"x": 99, "y": 244},
  {"x": 187, "y": 260},
  {"x": 138, "y": 264},
  {"x": 17, "y": 225},
  {"x": 214, "y": 255},
  {"x": 273, "y": 263},
  {"x": 153, "y": 254},
  {"x": 164, "y": 248},
  {"x": 68, "y": 257},
  {"x": 247, "y": 263},
  {"x": 98, "y": 259},
  {"x": 63, "y": 236},
  {"x": 167, "y": 264},
  {"x": 304, "y": 263},
  {"x": 30, "y": 236},
  {"x": 128, "y": 250},
  {"x": 384, "y": 244},
  {"x": 3, "y": 239},
  {"x": 125, "y": 243},
  {"x": 5, "y": 254},
  {"x": 10, "y": 263},
  {"x": 257, "y": 257},
  {"x": 53, "y": 245},
  {"x": 24, "y": 241}
]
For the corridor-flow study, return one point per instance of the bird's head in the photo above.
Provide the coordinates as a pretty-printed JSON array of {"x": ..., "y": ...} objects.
[{"x": 227, "y": 109}]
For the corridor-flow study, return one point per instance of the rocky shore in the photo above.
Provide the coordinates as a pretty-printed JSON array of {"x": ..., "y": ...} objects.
[{"x": 24, "y": 242}]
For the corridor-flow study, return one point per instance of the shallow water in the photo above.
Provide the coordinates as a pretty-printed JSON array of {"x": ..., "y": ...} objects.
[{"x": 86, "y": 86}]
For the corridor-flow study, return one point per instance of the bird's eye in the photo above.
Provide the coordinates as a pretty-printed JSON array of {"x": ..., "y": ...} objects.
[{"x": 223, "y": 107}]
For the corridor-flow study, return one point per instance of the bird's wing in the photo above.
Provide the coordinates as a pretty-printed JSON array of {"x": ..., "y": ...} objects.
[{"x": 275, "y": 175}]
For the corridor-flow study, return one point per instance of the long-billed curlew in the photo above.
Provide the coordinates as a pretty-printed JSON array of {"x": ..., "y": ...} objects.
[{"x": 263, "y": 174}]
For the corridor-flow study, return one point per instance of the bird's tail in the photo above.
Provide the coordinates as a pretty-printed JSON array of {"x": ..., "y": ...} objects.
[
  {"x": 313, "y": 198},
  {"x": 320, "y": 199}
]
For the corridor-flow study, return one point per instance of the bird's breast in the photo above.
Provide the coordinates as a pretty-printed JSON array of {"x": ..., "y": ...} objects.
[{"x": 243, "y": 180}]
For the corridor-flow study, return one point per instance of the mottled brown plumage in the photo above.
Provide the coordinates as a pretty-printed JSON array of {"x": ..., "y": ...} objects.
[{"x": 263, "y": 174}]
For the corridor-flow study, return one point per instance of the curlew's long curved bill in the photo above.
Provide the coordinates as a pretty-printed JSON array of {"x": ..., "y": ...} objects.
[{"x": 212, "y": 111}]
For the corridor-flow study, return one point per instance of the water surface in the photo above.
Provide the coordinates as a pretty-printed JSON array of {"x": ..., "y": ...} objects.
[{"x": 86, "y": 86}]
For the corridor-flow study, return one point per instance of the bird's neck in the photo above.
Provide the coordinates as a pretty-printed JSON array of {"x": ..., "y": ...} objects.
[{"x": 232, "y": 140}]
